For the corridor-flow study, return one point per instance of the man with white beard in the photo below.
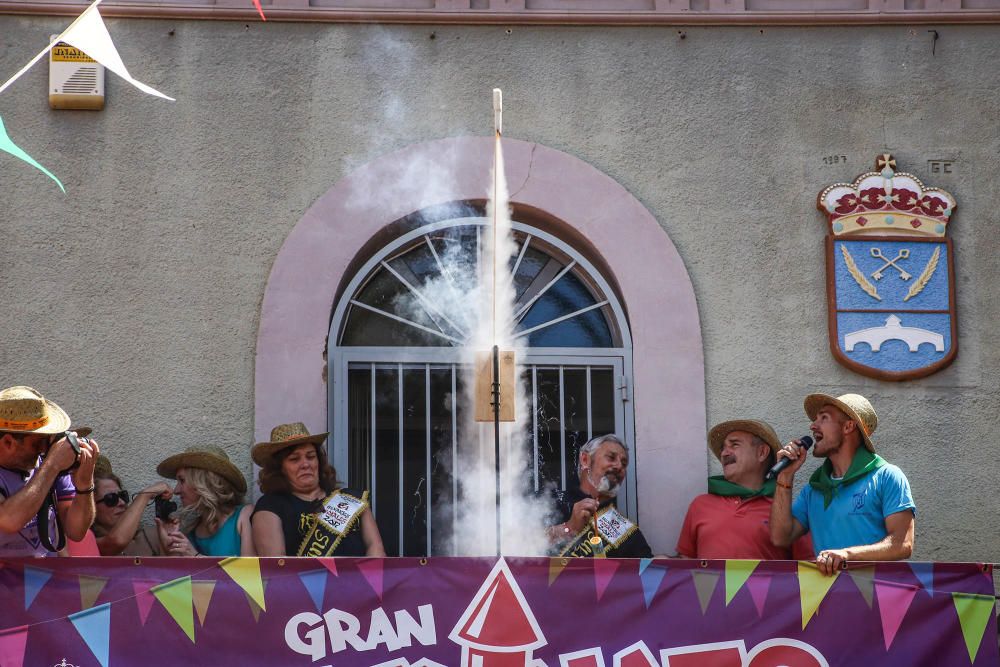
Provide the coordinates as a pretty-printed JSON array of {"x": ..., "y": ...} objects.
[{"x": 601, "y": 468}]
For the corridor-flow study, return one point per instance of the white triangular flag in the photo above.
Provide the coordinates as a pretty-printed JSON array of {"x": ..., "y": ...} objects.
[{"x": 90, "y": 35}]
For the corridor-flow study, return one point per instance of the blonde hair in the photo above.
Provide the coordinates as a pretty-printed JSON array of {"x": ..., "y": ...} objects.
[{"x": 217, "y": 498}]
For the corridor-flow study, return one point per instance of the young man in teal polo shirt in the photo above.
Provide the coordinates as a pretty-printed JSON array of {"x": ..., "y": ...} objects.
[{"x": 856, "y": 505}]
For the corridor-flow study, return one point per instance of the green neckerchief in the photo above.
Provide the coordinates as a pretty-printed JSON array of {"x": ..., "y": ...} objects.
[
  {"x": 864, "y": 462},
  {"x": 718, "y": 486}
]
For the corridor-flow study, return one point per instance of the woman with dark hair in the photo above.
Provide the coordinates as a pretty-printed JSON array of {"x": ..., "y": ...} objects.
[
  {"x": 302, "y": 511},
  {"x": 118, "y": 522}
]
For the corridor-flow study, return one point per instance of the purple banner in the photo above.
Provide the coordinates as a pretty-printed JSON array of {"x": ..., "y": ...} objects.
[{"x": 477, "y": 612}]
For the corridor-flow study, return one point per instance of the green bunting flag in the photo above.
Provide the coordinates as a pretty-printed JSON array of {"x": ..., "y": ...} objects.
[
  {"x": 176, "y": 598},
  {"x": 737, "y": 573},
  {"x": 974, "y": 612},
  {"x": 6, "y": 144}
]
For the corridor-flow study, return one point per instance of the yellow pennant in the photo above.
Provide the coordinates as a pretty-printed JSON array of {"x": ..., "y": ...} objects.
[
  {"x": 556, "y": 566},
  {"x": 254, "y": 607},
  {"x": 246, "y": 573},
  {"x": 813, "y": 587},
  {"x": 176, "y": 598}
]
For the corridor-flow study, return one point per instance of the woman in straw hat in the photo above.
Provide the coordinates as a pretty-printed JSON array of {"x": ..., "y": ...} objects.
[
  {"x": 213, "y": 520},
  {"x": 117, "y": 522},
  {"x": 302, "y": 511}
]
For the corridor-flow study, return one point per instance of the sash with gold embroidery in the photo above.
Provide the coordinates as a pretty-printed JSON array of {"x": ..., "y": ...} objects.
[
  {"x": 325, "y": 530},
  {"x": 614, "y": 528}
]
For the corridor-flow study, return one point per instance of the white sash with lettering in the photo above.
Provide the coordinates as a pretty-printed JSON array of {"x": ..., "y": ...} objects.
[
  {"x": 614, "y": 527},
  {"x": 340, "y": 510}
]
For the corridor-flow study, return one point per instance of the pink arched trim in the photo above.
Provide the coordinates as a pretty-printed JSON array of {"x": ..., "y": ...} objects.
[{"x": 669, "y": 372}]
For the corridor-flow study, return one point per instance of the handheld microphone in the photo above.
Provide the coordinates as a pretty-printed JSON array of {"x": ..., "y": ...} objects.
[{"x": 805, "y": 441}]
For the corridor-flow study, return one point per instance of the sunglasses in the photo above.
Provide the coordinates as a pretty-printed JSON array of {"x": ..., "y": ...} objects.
[{"x": 111, "y": 499}]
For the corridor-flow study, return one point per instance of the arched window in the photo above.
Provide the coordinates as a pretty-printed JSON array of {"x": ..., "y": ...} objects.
[{"x": 394, "y": 368}]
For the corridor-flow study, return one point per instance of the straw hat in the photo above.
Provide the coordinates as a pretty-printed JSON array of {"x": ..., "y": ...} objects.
[
  {"x": 282, "y": 437},
  {"x": 761, "y": 429},
  {"x": 855, "y": 406},
  {"x": 24, "y": 410},
  {"x": 206, "y": 457}
]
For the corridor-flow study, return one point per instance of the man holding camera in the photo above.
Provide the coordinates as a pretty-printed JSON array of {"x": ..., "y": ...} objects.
[{"x": 46, "y": 472}]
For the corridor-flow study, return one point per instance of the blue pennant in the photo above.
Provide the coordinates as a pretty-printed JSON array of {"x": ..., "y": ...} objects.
[
  {"x": 315, "y": 583},
  {"x": 94, "y": 625},
  {"x": 925, "y": 573},
  {"x": 34, "y": 579},
  {"x": 650, "y": 578}
]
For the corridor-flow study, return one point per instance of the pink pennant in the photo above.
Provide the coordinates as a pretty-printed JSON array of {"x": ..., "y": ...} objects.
[
  {"x": 256, "y": 3},
  {"x": 893, "y": 602},
  {"x": 330, "y": 564},
  {"x": 604, "y": 570},
  {"x": 12, "y": 644},
  {"x": 372, "y": 571},
  {"x": 144, "y": 598},
  {"x": 759, "y": 585}
]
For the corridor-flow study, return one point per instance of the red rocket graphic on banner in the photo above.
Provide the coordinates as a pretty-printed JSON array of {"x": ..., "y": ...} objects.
[{"x": 498, "y": 629}]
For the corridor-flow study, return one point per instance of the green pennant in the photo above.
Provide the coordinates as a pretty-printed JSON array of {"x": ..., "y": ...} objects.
[
  {"x": 974, "y": 612},
  {"x": 176, "y": 598},
  {"x": 813, "y": 587},
  {"x": 737, "y": 573}
]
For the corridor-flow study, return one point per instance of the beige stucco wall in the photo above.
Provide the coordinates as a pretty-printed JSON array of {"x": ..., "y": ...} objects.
[{"x": 134, "y": 300}]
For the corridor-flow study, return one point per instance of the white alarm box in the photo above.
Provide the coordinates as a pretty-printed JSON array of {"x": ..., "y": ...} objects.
[{"x": 76, "y": 81}]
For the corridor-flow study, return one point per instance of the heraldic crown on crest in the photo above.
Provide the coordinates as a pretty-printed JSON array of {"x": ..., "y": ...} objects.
[{"x": 890, "y": 274}]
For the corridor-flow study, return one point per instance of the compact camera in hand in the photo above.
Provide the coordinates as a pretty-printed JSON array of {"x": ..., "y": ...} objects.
[{"x": 164, "y": 508}]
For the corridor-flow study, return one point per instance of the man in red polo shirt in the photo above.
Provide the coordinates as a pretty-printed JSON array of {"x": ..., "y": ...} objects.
[{"x": 731, "y": 520}]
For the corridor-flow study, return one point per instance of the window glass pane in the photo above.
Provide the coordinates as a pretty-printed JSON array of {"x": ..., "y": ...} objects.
[
  {"x": 368, "y": 328},
  {"x": 586, "y": 330},
  {"x": 387, "y": 457},
  {"x": 531, "y": 265},
  {"x": 442, "y": 460},
  {"x": 414, "y": 462},
  {"x": 575, "y": 416},
  {"x": 548, "y": 429},
  {"x": 602, "y": 397},
  {"x": 359, "y": 431}
]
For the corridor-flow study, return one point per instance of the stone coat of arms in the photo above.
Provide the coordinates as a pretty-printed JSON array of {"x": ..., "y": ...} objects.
[{"x": 890, "y": 274}]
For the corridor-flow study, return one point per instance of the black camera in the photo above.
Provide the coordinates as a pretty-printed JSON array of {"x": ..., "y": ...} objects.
[
  {"x": 164, "y": 508},
  {"x": 74, "y": 441}
]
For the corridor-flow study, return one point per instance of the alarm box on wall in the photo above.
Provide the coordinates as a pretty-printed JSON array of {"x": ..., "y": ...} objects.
[{"x": 76, "y": 81}]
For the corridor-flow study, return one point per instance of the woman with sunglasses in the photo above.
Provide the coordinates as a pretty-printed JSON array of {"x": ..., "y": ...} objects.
[
  {"x": 213, "y": 521},
  {"x": 117, "y": 522}
]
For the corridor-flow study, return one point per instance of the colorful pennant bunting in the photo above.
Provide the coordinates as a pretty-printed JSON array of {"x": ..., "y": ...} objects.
[
  {"x": 94, "y": 625},
  {"x": 34, "y": 579},
  {"x": 924, "y": 573},
  {"x": 704, "y": 585},
  {"x": 201, "y": 595},
  {"x": 12, "y": 643},
  {"x": 143, "y": 597},
  {"x": 6, "y": 144},
  {"x": 315, "y": 583},
  {"x": 556, "y": 566},
  {"x": 90, "y": 590},
  {"x": 813, "y": 587},
  {"x": 893, "y": 602},
  {"x": 176, "y": 598},
  {"x": 737, "y": 573},
  {"x": 372, "y": 571},
  {"x": 864, "y": 579},
  {"x": 650, "y": 577},
  {"x": 974, "y": 613},
  {"x": 604, "y": 571},
  {"x": 246, "y": 573}
]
